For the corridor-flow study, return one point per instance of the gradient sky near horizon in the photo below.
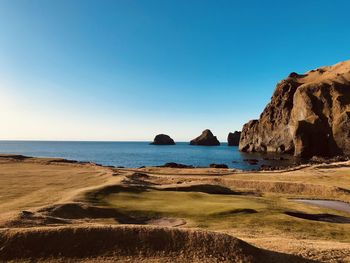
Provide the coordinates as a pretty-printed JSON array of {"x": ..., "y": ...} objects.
[{"x": 129, "y": 69}]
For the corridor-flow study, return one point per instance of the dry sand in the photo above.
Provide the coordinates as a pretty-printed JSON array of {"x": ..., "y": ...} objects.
[{"x": 48, "y": 214}]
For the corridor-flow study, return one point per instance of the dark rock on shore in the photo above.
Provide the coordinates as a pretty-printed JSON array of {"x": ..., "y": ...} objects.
[
  {"x": 214, "y": 165},
  {"x": 308, "y": 115},
  {"x": 275, "y": 159},
  {"x": 319, "y": 160},
  {"x": 163, "y": 139},
  {"x": 15, "y": 156},
  {"x": 265, "y": 167},
  {"x": 176, "y": 165},
  {"x": 233, "y": 138},
  {"x": 251, "y": 161},
  {"x": 206, "y": 139}
]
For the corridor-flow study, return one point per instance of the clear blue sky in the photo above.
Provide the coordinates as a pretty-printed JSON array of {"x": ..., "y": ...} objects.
[{"x": 127, "y": 70}]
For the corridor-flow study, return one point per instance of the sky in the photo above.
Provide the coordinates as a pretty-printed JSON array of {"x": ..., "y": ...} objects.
[{"x": 129, "y": 69}]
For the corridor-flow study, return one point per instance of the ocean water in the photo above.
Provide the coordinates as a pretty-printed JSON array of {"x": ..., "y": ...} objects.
[{"x": 136, "y": 154}]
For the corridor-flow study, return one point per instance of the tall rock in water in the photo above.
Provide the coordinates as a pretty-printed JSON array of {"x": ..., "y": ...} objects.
[
  {"x": 233, "y": 138},
  {"x": 308, "y": 115},
  {"x": 206, "y": 139}
]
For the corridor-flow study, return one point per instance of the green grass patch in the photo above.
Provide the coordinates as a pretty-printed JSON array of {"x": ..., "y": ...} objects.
[
  {"x": 229, "y": 212},
  {"x": 182, "y": 204}
]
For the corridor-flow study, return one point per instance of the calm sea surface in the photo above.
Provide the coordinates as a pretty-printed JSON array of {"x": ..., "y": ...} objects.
[{"x": 134, "y": 154}]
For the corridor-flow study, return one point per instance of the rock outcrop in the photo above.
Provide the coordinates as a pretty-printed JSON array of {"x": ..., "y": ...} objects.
[
  {"x": 221, "y": 165},
  {"x": 176, "y": 165},
  {"x": 308, "y": 115},
  {"x": 233, "y": 138},
  {"x": 163, "y": 139},
  {"x": 206, "y": 139}
]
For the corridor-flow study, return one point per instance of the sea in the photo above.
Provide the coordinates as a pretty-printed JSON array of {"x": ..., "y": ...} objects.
[{"x": 138, "y": 154}]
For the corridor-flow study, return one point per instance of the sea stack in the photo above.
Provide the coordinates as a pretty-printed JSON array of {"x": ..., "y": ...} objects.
[
  {"x": 163, "y": 139},
  {"x": 233, "y": 138},
  {"x": 206, "y": 139},
  {"x": 308, "y": 115}
]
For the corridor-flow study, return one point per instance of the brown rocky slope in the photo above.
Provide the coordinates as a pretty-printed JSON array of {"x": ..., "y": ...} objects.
[{"x": 308, "y": 115}]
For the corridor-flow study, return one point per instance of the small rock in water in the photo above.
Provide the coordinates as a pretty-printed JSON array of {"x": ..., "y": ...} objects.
[
  {"x": 206, "y": 139},
  {"x": 163, "y": 139},
  {"x": 233, "y": 138}
]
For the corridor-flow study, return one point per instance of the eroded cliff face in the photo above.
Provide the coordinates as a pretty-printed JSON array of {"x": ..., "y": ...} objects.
[{"x": 308, "y": 115}]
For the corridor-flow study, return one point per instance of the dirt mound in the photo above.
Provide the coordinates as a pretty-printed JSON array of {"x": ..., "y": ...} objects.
[
  {"x": 138, "y": 179},
  {"x": 81, "y": 243},
  {"x": 29, "y": 219},
  {"x": 78, "y": 210},
  {"x": 69, "y": 213},
  {"x": 93, "y": 197},
  {"x": 285, "y": 187}
]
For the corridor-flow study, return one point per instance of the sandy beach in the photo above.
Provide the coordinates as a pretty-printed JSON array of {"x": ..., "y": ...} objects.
[{"x": 72, "y": 211}]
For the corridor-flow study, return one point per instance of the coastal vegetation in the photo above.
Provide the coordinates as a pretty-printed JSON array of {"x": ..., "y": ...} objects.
[{"x": 257, "y": 207}]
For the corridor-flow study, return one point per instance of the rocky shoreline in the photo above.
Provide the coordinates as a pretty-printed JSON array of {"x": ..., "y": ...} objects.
[
  {"x": 308, "y": 117},
  {"x": 260, "y": 165}
]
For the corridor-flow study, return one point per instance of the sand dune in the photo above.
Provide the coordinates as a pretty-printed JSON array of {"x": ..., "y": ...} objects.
[{"x": 105, "y": 243}]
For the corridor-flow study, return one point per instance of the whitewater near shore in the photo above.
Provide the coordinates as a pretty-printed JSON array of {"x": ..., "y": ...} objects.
[{"x": 55, "y": 210}]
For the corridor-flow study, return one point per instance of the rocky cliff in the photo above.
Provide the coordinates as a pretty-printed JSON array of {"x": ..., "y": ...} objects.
[{"x": 308, "y": 115}]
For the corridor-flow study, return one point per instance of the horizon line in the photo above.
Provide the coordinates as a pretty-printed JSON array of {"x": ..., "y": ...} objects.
[{"x": 38, "y": 140}]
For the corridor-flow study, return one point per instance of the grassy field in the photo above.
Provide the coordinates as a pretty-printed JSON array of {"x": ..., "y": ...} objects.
[
  {"x": 231, "y": 212},
  {"x": 34, "y": 182},
  {"x": 62, "y": 195}
]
